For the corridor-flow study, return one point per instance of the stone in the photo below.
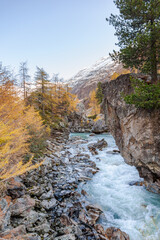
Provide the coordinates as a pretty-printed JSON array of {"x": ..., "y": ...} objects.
[
  {"x": 82, "y": 216},
  {"x": 15, "y": 188},
  {"x": 94, "y": 207},
  {"x": 99, "y": 145},
  {"x": 99, "y": 127},
  {"x": 22, "y": 206},
  {"x": 66, "y": 237},
  {"x": 5, "y": 213},
  {"x": 47, "y": 195},
  {"x": 136, "y": 183},
  {"x": 65, "y": 220},
  {"x": 49, "y": 204},
  {"x": 42, "y": 228},
  {"x": 78, "y": 122},
  {"x": 34, "y": 217},
  {"x": 93, "y": 150},
  {"x": 30, "y": 236},
  {"x": 116, "y": 151},
  {"x": 99, "y": 228},
  {"x": 83, "y": 192},
  {"x": 13, "y": 233},
  {"x": 71, "y": 230},
  {"x": 116, "y": 234},
  {"x": 36, "y": 191},
  {"x": 92, "y": 134},
  {"x": 94, "y": 213}
]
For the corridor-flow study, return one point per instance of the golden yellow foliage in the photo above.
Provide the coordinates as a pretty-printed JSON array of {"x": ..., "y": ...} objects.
[
  {"x": 97, "y": 118},
  {"x": 115, "y": 74},
  {"x": 62, "y": 99},
  {"x": 58, "y": 102},
  {"x": 16, "y": 124},
  {"x": 93, "y": 104}
]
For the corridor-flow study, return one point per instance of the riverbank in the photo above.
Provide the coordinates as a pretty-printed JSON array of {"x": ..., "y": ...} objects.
[{"x": 46, "y": 203}]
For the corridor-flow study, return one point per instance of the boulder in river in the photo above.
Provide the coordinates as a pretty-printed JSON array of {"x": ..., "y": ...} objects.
[
  {"x": 99, "y": 127},
  {"x": 99, "y": 145}
]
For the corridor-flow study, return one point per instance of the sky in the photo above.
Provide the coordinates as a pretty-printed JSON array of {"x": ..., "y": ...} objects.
[{"x": 62, "y": 36}]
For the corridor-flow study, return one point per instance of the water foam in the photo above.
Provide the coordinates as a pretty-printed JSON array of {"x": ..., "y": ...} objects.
[{"x": 130, "y": 208}]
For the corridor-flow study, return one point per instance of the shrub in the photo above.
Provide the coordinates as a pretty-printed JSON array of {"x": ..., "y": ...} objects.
[{"x": 145, "y": 95}]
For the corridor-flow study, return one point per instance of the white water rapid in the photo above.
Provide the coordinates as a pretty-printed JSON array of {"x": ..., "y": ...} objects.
[{"x": 131, "y": 208}]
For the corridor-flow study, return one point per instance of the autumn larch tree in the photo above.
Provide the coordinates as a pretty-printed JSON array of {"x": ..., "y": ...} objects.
[
  {"x": 24, "y": 77},
  {"x": 99, "y": 93},
  {"x": 42, "y": 81},
  {"x": 138, "y": 31},
  {"x": 93, "y": 104},
  {"x": 19, "y": 126}
]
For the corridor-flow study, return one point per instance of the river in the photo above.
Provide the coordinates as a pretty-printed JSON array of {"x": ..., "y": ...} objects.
[{"x": 131, "y": 208}]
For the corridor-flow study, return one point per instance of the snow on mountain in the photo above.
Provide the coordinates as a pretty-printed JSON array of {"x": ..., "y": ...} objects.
[{"x": 86, "y": 79}]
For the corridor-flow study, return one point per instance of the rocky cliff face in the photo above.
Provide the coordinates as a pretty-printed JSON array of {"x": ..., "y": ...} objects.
[{"x": 136, "y": 131}]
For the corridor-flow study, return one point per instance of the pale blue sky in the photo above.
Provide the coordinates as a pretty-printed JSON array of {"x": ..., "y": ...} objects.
[{"x": 62, "y": 36}]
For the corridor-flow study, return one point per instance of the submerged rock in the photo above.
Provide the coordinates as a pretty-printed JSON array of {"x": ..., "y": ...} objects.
[{"x": 99, "y": 145}]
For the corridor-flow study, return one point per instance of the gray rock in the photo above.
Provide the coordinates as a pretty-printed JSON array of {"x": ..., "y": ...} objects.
[
  {"x": 66, "y": 237},
  {"x": 36, "y": 191},
  {"x": 47, "y": 195},
  {"x": 99, "y": 145},
  {"x": 49, "y": 204},
  {"x": 15, "y": 232},
  {"x": 22, "y": 206},
  {"x": 5, "y": 214},
  {"x": 99, "y": 127},
  {"x": 43, "y": 228},
  {"x": 34, "y": 216}
]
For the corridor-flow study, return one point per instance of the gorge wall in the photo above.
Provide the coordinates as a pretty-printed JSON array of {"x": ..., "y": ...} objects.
[{"x": 136, "y": 131}]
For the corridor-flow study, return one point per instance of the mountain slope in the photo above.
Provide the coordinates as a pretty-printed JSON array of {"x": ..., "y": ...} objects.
[{"x": 86, "y": 80}]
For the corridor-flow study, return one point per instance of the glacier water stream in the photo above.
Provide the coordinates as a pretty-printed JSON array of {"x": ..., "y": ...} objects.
[{"x": 131, "y": 208}]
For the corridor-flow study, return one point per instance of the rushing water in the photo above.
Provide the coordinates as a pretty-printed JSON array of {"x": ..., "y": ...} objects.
[{"x": 128, "y": 207}]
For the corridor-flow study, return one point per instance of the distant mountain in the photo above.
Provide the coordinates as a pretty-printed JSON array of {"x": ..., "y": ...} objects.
[{"x": 86, "y": 79}]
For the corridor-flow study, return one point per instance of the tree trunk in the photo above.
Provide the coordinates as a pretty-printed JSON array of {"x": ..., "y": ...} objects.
[
  {"x": 153, "y": 54},
  {"x": 154, "y": 74},
  {"x": 42, "y": 97}
]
